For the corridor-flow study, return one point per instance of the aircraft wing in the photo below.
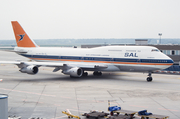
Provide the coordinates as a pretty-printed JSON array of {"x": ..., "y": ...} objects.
[
  {"x": 7, "y": 48},
  {"x": 73, "y": 69},
  {"x": 9, "y": 62},
  {"x": 25, "y": 63},
  {"x": 84, "y": 66}
]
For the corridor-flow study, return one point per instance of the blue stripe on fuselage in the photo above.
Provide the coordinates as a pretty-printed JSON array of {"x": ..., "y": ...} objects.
[{"x": 99, "y": 59}]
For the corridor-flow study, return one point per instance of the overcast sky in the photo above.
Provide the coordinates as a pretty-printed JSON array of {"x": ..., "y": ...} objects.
[{"x": 57, "y": 19}]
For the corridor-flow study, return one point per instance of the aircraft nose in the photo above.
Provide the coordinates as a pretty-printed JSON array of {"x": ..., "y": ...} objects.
[{"x": 171, "y": 61}]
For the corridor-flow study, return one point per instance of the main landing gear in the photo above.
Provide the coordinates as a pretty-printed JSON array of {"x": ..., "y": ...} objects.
[
  {"x": 149, "y": 79},
  {"x": 97, "y": 73},
  {"x": 85, "y": 74}
]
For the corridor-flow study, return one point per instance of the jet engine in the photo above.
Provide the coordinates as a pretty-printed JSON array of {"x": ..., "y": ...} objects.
[
  {"x": 29, "y": 70},
  {"x": 74, "y": 72}
]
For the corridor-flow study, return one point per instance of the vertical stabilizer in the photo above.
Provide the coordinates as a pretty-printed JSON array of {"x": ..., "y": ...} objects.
[{"x": 22, "y": 39}]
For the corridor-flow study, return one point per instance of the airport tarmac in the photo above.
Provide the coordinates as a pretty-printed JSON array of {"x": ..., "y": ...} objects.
[{"x": 47, "y": 94}]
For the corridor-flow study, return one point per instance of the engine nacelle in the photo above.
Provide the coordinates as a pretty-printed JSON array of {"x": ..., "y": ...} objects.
[
  {"x": 29, "y": 70},
  {"x": 74, "y": 72}
]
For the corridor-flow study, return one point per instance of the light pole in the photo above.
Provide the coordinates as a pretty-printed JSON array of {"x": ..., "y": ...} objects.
[{"x": 160, "y": 34}]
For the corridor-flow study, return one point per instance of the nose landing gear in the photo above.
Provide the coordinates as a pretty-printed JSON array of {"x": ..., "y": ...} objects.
[{"x": 149, "y": 79}]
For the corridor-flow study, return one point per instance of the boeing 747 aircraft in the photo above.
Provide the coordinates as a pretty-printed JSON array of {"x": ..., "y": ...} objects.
[{"x": 75, "y": 61}]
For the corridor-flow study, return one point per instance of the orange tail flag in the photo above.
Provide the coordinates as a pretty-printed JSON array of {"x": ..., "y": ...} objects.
[{"x": 22, "y": 39}]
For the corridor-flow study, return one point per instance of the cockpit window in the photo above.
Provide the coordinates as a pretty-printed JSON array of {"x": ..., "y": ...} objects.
[{"x": 154, "y": 50}]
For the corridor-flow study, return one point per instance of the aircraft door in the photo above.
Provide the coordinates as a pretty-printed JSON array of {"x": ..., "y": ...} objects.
[
  {"x": 139, "y": 61},
  {"x": 82, "y": 59},
  {"x": 31, "y": 56},
  {"x": 112, "y": 60}
]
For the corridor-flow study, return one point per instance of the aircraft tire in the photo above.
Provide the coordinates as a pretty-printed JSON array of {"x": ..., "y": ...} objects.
[
  {"x": 100, "y": 74},
  {"x": 85, "y": 74},
  {"x": 96, "y": 73},
  {"x": 149, "y": 79}
]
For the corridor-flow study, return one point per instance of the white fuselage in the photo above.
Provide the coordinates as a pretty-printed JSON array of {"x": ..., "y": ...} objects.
[{"x": 117, "y": 58}]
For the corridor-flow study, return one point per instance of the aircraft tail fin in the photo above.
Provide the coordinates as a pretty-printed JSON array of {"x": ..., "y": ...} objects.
[{"x": 22, "y": 39}]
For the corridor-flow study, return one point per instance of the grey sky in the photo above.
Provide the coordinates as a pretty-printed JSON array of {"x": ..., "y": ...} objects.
[{"x": 56, "y": 19}]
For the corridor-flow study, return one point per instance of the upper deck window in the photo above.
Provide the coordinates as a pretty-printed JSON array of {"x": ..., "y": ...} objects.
[{"x": 154, "y": 50}]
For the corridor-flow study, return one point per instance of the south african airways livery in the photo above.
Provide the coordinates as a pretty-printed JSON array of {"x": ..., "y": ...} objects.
[{"x": 75, "y": 61}]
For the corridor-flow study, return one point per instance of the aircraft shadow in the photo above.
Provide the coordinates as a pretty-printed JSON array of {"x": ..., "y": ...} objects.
[{"x": 56, "y": 78}]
